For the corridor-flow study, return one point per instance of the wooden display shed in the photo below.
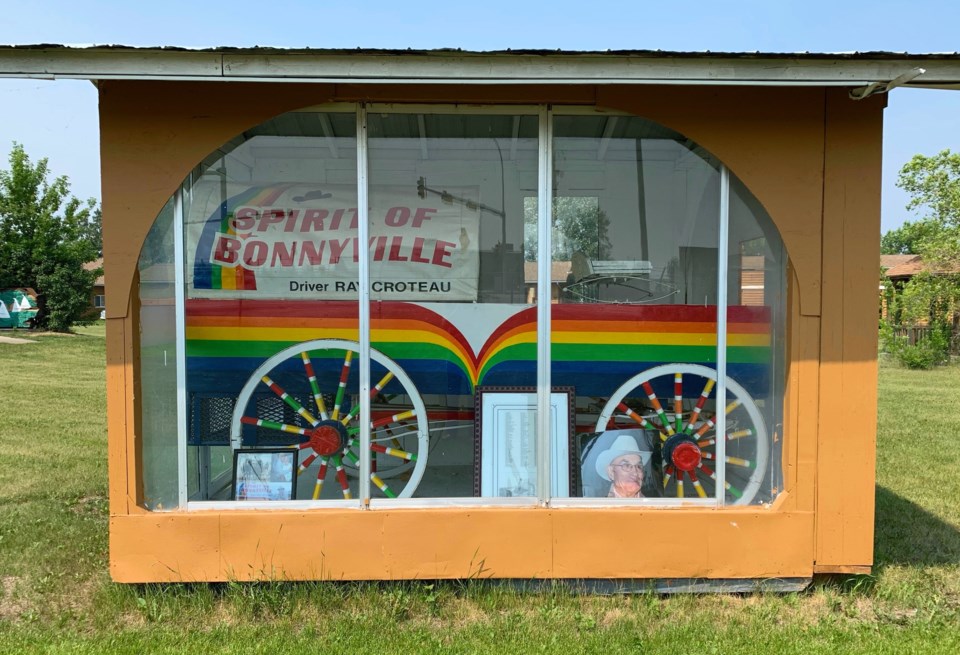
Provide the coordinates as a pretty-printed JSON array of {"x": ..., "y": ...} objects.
[{"x": 787, "y": 127}]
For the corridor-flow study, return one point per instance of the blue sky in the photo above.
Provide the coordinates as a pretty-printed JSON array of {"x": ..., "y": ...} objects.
[{"x": 58, "y": 119}]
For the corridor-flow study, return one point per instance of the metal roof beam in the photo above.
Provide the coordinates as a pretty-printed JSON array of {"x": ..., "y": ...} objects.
[{"x": 477, "y": 68}]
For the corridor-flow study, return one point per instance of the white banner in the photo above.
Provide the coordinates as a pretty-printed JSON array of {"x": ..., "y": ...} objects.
[{"x": 300, "y": 241}]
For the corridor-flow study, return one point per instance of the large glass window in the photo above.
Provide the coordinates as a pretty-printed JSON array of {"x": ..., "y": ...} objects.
[
  {"x": 666, "y": 296},
  {"x": 159, "y": 364},
  {"x": 271, "y": 278},
  {"x": 634, "y": 332},
  {"x": 449, "y": 300},
  {"x": 756, "y": 333}
]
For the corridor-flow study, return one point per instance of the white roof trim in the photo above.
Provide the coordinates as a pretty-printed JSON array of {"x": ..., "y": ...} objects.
[{"x": 442, "y": 67}]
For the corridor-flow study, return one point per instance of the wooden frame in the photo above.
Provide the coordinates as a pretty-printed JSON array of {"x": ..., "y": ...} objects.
[
  {"x": 498, "y": 404},
  {"x": 264, "y": 474}
]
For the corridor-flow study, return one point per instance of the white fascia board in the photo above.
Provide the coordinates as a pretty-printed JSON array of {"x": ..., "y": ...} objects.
[
  {"x": 480, "y": 68},
  {"x": 63, "y": 63}
]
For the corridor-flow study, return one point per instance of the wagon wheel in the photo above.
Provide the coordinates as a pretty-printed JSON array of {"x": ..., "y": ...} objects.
[
  {"x": 313, "y": 380},
  {"x": 687, "y": 431}
]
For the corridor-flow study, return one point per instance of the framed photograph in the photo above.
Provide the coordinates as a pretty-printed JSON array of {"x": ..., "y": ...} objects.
[
  {"x": 264, "y": 474},
  {"x": 505, "y": 452}
]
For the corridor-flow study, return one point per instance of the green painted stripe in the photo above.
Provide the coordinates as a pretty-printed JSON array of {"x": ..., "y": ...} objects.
[
  {"x": 523, "y": 352},
  {"x": 386, "y": 490},
  {"x": 520, "y": 351}
]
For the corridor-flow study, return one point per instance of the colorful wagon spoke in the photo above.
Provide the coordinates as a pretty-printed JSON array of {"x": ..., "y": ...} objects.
[
  {"x": 314, "y": 386},
  {"x": 658, "y": 408},
  {"x": 701, "y": 401},
  {"x": 696, "y": 484},
  {"x": 290, "y": 400},
  {"x": 644, "y": 423},
  {"x": 678, "y": 401}
]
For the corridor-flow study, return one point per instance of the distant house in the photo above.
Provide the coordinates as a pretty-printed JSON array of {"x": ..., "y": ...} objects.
[
  {"x": 900, "y": 268},
  {"x": 897, "y": 270},
  {"x": 559, "y": 272},
  {"x": 752, "y": 280},
  {"x": 98, "y": 296}
]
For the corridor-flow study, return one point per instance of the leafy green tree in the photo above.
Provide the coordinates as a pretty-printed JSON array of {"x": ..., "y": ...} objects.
[
  {"x": 578, "y": 225},
  {"x": 911, "y": 238},
  {"x": 932, "y": 297},
  {"x": 934, "y": 186},
  {"x": 46, "y": 235},
  {"x": 934, "y": 183}
]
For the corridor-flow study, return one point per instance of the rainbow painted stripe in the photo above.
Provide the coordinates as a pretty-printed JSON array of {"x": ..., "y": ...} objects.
[
  {"x": 590, "y": 344},
  {"x": 207, "y": 275}
]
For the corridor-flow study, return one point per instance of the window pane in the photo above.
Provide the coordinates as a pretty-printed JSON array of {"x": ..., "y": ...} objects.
[
  {"x": 636, "y": 211},
  {"x": 271, "y": 303},
  {"x": 450, "y": 302},
  {"x": 158, "y": 364},
  {"x": 756, "y": 327}
]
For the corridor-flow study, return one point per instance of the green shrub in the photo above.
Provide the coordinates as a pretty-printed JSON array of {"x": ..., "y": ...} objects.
[
  {"x": 932, "y": 350},
  {"x": 918, "y": 356}
]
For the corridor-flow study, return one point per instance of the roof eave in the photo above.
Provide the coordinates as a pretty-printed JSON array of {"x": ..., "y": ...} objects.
[{"x": 452, "y": 66}]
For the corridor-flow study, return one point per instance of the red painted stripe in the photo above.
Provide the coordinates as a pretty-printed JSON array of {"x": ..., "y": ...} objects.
[
  {"x": 345, "y": 371},
  {"x": 272, "y": 308},
  {"x": 248, "y": 281}
]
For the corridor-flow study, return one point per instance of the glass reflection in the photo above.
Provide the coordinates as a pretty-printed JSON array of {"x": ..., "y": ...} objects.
[
  {"x": 449, "y": 299},
  {"x": 271, "y": 270}
]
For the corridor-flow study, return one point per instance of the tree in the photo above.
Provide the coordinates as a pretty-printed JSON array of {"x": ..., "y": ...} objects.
[
  {"x": 578, "y": 225},
  {"x": 911, "y": 238},
  {"x": 934, "y": 186},
  {"x": 933, "y": 297},
  {"x": 46, "y": 235},
  {"x": 934, "y": 183}
]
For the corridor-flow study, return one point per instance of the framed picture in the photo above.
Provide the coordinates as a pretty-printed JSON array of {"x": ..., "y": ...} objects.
[
  {"x": 264, "y": 474},
  {"x": 505, "y": 452}
]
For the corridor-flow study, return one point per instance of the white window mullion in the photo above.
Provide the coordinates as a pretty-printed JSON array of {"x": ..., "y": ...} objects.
[
  {"x": 181, "y": 342},
  {"x": 544, "y": 249},
  {"x": 363, "y": 224},
  {"x": 723, "y": 247}
]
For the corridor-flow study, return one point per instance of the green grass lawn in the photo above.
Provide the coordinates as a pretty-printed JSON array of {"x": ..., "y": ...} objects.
[{"x": 56, "y": 596}]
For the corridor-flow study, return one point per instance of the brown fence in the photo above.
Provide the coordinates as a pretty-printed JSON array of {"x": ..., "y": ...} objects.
[{"x": 918, "y": 333}]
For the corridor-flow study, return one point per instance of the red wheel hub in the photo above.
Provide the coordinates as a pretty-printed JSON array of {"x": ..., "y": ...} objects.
[
  {"x": 326, "y": 440},
  {"x": 686, "y": 456}
]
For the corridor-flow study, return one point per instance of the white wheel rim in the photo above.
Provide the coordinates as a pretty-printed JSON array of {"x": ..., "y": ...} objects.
[{"x": 246, "y": 393}]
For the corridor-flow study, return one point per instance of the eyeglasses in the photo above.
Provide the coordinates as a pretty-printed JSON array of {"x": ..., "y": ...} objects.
[{"x": 627, "y": 466}]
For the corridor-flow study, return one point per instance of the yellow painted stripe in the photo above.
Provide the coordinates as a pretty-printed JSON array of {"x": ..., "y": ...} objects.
[
  {"x": 267, "y": 334},
  {"x": 523, "y": 337},
  {"x": 228, "y": 278},
  {"x": 699, "y": 488},
  {"x": 658, "y": 338}
]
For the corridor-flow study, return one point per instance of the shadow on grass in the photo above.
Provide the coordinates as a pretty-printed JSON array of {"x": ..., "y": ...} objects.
[{"x": 908, "y": 534}]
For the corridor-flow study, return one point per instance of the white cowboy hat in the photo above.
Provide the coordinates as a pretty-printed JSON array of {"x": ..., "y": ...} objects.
[{"x": 625, "y": 444}]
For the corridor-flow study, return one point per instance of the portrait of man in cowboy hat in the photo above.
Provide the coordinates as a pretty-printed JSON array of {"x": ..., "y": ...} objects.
[{"x": 615, "y": 464}]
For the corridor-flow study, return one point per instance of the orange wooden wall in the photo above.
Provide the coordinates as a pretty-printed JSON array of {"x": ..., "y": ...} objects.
[{"x": 811, "y": 156}]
